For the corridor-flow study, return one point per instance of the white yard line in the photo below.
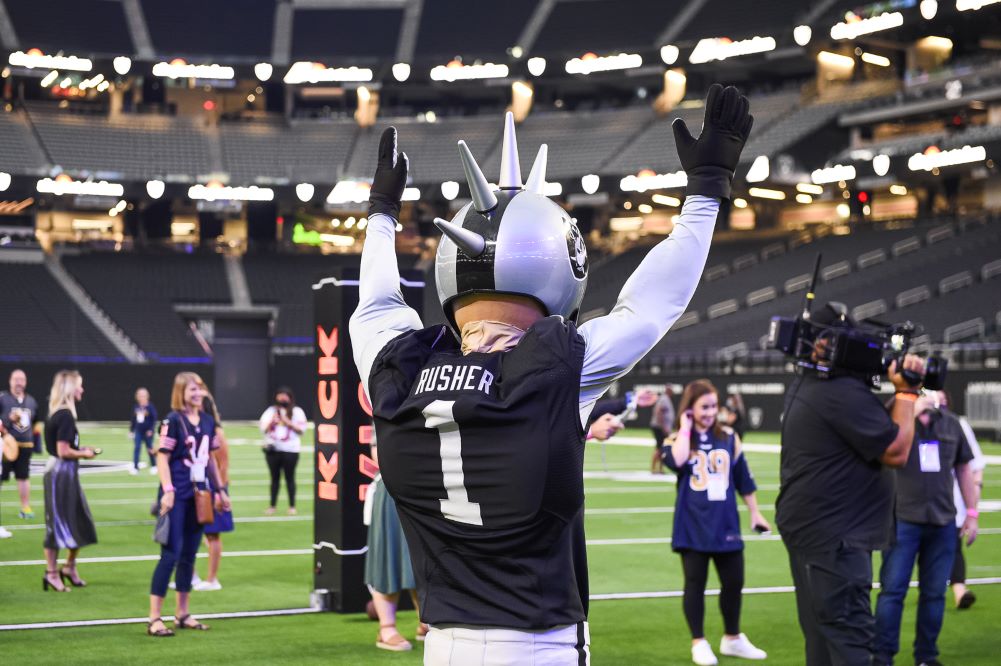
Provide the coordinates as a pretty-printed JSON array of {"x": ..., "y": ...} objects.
[
  {"x": 130, "y": 523},
  {"x": 143, "y": 620}
]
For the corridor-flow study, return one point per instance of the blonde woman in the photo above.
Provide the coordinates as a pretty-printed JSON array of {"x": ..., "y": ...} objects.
[
  {"x": 68, "y": 523},
  {"x": 187, "y": 437}
]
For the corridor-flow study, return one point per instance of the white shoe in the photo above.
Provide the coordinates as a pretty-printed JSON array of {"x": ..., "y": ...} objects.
[
  {"x": 702, "y": 654},
  {"x": 5, "y": 533},
  {"x": 142, "y": 465},
  {"x": 153, "y": 471},
  {"x": 740, "y": 647},
  {"x": 133, "y": 471},
  {"x": 195, "y": 582},
  {"x": 206, "y": 586}
]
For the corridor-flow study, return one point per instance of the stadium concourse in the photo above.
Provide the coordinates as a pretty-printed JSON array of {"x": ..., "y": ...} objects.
[{"x": 177, "y": 177}]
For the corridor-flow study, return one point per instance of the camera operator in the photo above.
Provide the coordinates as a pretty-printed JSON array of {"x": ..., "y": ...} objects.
[{"x": 835, "y": 505}]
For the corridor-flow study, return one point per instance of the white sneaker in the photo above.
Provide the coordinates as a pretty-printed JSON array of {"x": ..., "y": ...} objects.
[
  {"x": 5, "y": 533},
  {"x": 195, "y": 582},
  {"x": 133, "y": 471},
  {"x": 206, "y": 586},
  {"x": 153, "y": 471},
  {"x": 702, "y": 654},
  {"x": 740, "y": 647}
]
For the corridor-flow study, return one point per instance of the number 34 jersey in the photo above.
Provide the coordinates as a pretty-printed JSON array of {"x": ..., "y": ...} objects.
[{"x": 483, "y": 454}]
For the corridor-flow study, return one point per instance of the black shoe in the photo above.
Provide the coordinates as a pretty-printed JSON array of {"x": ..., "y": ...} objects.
[{"x": 967, "y": 600}]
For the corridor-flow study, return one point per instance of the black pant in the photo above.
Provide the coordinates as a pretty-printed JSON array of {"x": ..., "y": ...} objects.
[
  {"x": 958, "y": 574},
  {"x": 833, "y": 600},
  {"x": 730, "y": 569},
  {"x": 278, "y": 462}
]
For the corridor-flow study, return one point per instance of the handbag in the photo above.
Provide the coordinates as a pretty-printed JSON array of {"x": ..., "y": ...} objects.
[
  {"x": 11, "y": 449},
  {"x": 203, "y": 506}
]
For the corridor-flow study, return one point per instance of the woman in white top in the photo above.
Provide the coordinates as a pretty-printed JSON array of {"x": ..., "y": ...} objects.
[{"x": 282, "y": 424}]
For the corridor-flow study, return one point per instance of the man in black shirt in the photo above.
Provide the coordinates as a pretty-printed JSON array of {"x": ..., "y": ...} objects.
[
  {"x": 18, "y": 415},
  {"x": 925, "y": 531},
  {"x": 835, "y": 505}
]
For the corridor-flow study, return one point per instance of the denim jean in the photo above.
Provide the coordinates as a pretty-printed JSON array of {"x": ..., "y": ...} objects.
[
  {"x": 934, "y": 548},
  {"x": 141, "y": 440}
]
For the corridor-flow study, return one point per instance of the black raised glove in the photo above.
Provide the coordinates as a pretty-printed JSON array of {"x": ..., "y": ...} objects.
[
  {"x": 711, "y": 159},
  {"x": 390, "y": 178}
]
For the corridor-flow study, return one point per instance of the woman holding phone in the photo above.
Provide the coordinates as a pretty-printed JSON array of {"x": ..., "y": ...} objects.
[
  {"x": 68, "y": 523},
  {"x": 711, "y": 470}
]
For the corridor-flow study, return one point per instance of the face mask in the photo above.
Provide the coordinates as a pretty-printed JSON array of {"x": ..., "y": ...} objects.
[{"x": 284, "y": 404}]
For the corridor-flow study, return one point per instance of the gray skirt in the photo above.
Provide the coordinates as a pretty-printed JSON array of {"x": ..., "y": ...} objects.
[
  {"x": 387, "y": 562},
  {"x": 68, "y": 523}
]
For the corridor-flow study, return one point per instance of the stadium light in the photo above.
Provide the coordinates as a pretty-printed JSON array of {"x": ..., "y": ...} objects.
[
  {"x": 536, "y": 66},
  {"x": 552, "y": 190},
  {"x": 263, "y": 71},
  {"x": 974, "y": 5},
  {"x": 411, "y": 194},
  {"x": 589, "y": 63},
  {"x": 122, "y": 65},
  {"x": 929, "y": 8},
  {"x": 881, "y": 164},
  {"x": 590, "y": 183},
  {"x": 179, "y": 69},
  {"x": 855, "y": 26},
  {"x": 66, "y": 83},
  {"x": 4, "y": 180},
  {"x": 349, "y": 191},
  {"x": 765, "y": 193},
  {"x": 722, "y": 48},
  {"x": 899, "y": 190},
  {"x": 665, "y": 200},
  {"x": 833, "y": 174},
  {"x": 740, "y": 203},
  {"x": 456, "y": 71},
  {"x": 450, "y": 189},
  {"x": 809, "y": 188},
  {"x": 35, "y": 58},
  {"x": 836, "y": 60},
  {"x": 213, "y": 192},
  {"x": 49, "y": 79},
  {"x": 873, "y": 59},
  {"x": 804, "y": 198},
  {"x": 759, "y": 170},
  {"x": 315, "y": 72},
  {"x": 669, "y": 54},
  {"x": 648, "y": 180},
  {"x": 401, "y": 71},
  {"x": 155, "y": 188},
  {"x": 65, "y": 185},
  {"x": 933, "y": 158},
  {"x": 304, "y": 191},
  {"x": 802, "y": 34}
]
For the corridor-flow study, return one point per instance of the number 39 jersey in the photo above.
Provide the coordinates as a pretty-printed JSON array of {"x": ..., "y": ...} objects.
[
  {"x": 705, "y": 512},
  {"x": 483, "y": 454}
]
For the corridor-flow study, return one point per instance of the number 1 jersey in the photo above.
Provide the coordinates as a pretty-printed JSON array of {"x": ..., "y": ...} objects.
[{"x": 484, "y": 455}]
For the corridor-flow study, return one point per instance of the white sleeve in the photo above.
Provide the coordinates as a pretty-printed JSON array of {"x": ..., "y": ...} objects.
[
  {"x": 653, "y": 298},
  {"x": 265, "y": 419},
  {"x": 299, "y": 417},
  {"x": 382, "y": 313},
  {"x": 978, "y": 463}
]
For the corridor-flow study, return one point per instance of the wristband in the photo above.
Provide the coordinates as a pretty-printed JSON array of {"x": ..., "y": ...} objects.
[
  {"x": 972, "y": 513},
  {"x": 909, "y": 396},
  {"x": 169, "y": 488}
]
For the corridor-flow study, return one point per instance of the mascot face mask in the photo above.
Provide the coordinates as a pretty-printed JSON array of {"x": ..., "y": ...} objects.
[{"x": 512, "y": 240}]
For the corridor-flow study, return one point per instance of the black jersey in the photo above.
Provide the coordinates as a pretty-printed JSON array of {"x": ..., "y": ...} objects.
[{"x": 484, "y": 455}]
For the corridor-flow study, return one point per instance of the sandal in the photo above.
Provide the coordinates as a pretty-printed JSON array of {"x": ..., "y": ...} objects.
[
  {"x": 159, "y": 633},
  {"x": 396, "y": 642},
  {"x": 422, "y": 631},
  {"x": 73, "y": 578},
  {"x": 182, "y": 623}
]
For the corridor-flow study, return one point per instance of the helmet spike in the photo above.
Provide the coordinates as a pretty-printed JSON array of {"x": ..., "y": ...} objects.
[
  {"x": 510, "y": 171},
  {"x": 468, "y": 241},
  {"x": 537, "y": 176},
  {"x": 479, "y": 188}
]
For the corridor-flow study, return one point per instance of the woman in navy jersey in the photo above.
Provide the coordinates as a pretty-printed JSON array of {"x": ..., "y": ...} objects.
[
  {"x": 711, "y": 470},
  {"x": 184, "y": 463}
]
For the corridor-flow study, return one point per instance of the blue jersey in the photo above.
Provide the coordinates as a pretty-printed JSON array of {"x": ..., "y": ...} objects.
[
  {"x": 188, "y": 447},
  {"x": 705, "y": 513}
]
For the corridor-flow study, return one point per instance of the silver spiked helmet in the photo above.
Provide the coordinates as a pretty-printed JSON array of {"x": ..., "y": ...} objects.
[{"x": 513, "y": 240}]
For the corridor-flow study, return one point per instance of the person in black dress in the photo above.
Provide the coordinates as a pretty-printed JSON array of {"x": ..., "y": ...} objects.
[{"x": 68, "y": 523}]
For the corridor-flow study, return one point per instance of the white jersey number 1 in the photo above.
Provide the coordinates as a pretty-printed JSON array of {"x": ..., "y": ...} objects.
[{"x": 456, "y": 506}]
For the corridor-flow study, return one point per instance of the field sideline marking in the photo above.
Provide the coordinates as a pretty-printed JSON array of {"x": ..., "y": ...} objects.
[
  {"x": 307, "y": 551},
  {"x": 150, "y": 522},
  {"x": 778, "y": 589}
]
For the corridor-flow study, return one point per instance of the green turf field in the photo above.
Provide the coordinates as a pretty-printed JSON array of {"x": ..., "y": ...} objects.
[{"x": 628, "y": 524}]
